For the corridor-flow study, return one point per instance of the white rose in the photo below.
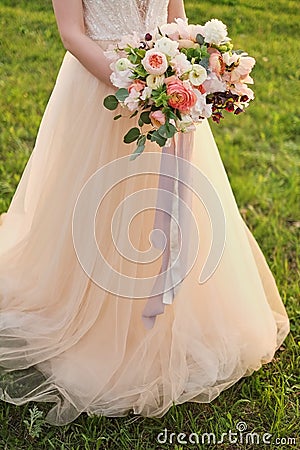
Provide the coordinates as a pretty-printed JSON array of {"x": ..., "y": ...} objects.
[
  {"x": 197, "y": 75},
  {"x": 167, "y": 46},
  {"x": 155, "y": 82},
  {"x": 215, "y": 32}
]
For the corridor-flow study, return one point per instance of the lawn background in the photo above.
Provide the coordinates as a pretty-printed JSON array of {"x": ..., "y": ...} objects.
[{"x": 260, "y": 151}]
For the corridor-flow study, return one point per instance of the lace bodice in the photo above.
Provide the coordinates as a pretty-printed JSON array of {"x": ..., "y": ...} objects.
[{"x": 110, "y": 19}]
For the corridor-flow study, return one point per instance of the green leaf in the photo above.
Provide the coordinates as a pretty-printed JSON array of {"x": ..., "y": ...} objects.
[
  {"x": 121, "y": 94},
  {"x": 111, "y": 102},
  {"x": 145, "y": 117},
  {"x": 200, "y": 39},
  {"x": 140, "y": 148},
  {"x": 156, "y": 137},
  {"x": 133, "y": 114},
  {"x": 118, "y": 117},
  {"x": 167, "y": 131},
  {"x": 132, "y": 135}
]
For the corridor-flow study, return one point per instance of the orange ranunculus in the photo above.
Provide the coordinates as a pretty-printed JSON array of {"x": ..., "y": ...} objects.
[{"x": 181, "y": 97}]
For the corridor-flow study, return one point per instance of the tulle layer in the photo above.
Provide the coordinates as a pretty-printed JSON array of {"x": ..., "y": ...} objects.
[{"x": 66, "y": 340}]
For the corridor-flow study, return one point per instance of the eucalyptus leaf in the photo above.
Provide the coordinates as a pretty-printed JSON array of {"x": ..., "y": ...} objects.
[
  {"x": 132, "y": 135},
  {"x": 156, "y": 137},
  {"x": 111, "y": 102},
  {"x": 200, "y": 39},
  {"x": 121, "y": 94}
]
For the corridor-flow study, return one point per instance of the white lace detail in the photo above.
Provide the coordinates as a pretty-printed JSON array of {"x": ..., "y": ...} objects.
[{"x": 110, "y": 19}]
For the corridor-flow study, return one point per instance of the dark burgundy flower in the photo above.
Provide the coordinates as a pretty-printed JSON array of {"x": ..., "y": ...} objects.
[
  {"x": 238, "y": 111},
  {"x": 148, "y": 37},
  {"x": 244, "y": 98},
  {"x": 229, "y": 106}
]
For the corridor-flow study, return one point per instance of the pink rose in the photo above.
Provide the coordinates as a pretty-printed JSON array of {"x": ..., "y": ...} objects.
[
  {"x": 181, "y": 97},
  {"x": 157, "y": 118},
  {"x": 155, "y": 62}
]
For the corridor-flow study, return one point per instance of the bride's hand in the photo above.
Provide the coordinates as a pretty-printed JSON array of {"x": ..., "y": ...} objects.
[{"x": 70, "y": 22}]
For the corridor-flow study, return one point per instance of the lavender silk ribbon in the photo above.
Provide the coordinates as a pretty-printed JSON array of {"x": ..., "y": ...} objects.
[{"x": 172, "y": 267}]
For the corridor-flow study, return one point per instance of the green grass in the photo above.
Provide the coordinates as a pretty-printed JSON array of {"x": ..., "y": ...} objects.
[{"x": 260, "y": 150}]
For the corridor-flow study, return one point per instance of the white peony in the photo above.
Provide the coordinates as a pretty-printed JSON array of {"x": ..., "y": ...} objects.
[
  {"x": 215, "y": 32},
  {"x": 197, "y": 75},
  {"x": 167, "y": 46}
]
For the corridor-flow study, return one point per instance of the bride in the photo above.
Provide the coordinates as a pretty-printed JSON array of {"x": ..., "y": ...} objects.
[{"x": 83, "y": 332}]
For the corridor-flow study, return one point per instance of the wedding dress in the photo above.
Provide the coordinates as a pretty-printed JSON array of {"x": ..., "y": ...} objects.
[{"x": 74, "y": 337}]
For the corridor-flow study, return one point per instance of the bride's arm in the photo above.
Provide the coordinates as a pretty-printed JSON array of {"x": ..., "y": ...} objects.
[
  {"x": 175, "y": 10},
  {"x": 70, "y": 22}
]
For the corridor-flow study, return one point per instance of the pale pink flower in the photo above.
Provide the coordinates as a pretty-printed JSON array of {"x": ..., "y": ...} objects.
[
  {"x": 242, "y": 89},
  {"x": 183, "y": 28},
  {"x": 155, "y": 62},
  {"x": 180, "y": 64},
  {"x": 171, "y": 30},
  {"x": 214, "y": 84},
  {"x": 157, "y": 118},
  {"x": 194, "y": 30},
  {"x": 133, "y": 99}
]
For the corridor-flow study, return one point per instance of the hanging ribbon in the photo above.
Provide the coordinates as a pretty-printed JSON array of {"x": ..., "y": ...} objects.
[{"x": 172, "y": 265}]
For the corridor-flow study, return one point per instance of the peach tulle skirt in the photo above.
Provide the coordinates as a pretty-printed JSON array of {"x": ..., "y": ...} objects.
[{"x": 65, "y": 339}]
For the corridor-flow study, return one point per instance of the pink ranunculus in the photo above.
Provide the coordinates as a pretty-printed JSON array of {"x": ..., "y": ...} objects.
[
  {"x": 155, "y": 62},
  {"x": 216, "y": 63},
  {"x": 138, "y": 85},
  {"x": 181, "y": 97},
  {"x": 157, "y": 118}
]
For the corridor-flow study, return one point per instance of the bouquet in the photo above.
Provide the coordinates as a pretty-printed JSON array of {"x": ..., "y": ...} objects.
[{"x": 176, "y": 76}]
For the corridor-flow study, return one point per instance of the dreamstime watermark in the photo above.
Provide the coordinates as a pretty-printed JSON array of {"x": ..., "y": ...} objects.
[
  {"x": 187, "y": 177},
  {"x": 239, "y": 435}
]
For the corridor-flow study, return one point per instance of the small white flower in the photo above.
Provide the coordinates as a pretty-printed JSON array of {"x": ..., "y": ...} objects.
[
  {"x": 146, "y": 93},
  {"x": 167, "y": 46},
  {"x": 155, "y": 82},
  {"x": 215, "y": 32},
  {"x": 186, "y": 123},
  {"x": 197, "y": 75},
  {"x": 201, "y": 108}
]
